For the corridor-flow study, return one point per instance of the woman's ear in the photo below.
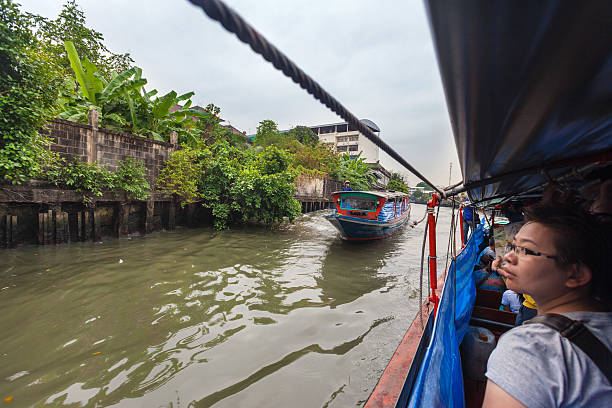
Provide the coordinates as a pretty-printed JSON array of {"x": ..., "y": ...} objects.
[{"x": 578, "y": 275}]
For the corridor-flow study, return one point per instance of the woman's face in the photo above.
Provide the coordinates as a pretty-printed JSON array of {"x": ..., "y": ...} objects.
[{"x": 538, "y": 276}]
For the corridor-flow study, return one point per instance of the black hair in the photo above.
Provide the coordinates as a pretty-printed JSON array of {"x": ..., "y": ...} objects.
[{"x": 580, "y": 238}]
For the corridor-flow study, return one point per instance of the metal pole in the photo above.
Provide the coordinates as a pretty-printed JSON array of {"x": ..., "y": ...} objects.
[
  {"x": 461, "y": 225},
  {"x": 433, "y": 276}
]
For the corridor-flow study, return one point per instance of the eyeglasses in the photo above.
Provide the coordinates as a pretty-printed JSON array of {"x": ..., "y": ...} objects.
[{"x": 520, "y": 250}]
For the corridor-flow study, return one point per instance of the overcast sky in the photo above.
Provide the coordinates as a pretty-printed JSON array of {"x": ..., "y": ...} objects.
[{"x": 376, "y": 58}]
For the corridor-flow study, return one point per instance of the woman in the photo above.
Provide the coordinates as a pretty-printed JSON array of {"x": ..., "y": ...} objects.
[{"x": 561, "y": 257}]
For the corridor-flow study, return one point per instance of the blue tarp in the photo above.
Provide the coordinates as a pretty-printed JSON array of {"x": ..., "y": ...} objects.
[
  {"x": 440, "y": 382},
  {"x": 386, "y": 213}
]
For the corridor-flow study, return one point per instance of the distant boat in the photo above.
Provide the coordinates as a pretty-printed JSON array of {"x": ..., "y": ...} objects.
[{"x": 366, "y": 215}]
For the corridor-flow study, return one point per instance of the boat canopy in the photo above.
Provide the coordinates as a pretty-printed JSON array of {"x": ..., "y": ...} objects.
[
  {"x": 528, "y": 88},
  {"x": 383, "y": 194}
]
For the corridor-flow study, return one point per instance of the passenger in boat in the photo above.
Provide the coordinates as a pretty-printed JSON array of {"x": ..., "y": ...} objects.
[
  {"x": 528, "y": 308},
  {"x": 561, "y": 258},
  {"x": 488, "y": 250},
  {"x": 487, "y": 278},
  {"x": 467, "y": 220},
  {"x": 347, "y": 186},
  {"x": 511, "y": 301},
  {"x": 527, "y": 311}
]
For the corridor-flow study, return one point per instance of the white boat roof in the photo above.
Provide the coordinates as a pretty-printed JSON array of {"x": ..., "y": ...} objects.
[{"x": 383, "y": 194}]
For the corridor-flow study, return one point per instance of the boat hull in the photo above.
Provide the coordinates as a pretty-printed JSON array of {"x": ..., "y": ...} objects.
[{"x": 356, "y": 229}]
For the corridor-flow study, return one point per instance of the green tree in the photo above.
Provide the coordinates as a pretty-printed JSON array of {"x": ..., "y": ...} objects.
[
  {"x": 425, "y": 185},
  {"x": 94, "y": 92},
  {"x": 89, "y": 43},
  {"x": 268, "y": 134},
  {"x": 29, "y": 80},
  {"x": 304, "y": 135},
  {"x": 357, "y": 171},
  {"x": 237, "y": 185},
  {"x": 396, "y": 183},
  {"x": 320, "y": 158}
]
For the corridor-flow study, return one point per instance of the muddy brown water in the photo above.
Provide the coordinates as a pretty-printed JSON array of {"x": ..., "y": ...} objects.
[{"x": 193, "y": 318}]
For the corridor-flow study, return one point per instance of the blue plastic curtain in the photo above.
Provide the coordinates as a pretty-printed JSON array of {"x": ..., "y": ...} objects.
[
  {"x": 439, "y": 382},
  {"x": 387, "y": 212}
]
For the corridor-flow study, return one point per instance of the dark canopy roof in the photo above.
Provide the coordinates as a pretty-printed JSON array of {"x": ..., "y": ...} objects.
[{"x": 528, "y": 86}]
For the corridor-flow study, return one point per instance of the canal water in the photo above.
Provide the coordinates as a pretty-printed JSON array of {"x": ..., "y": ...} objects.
[{"x": 250, "y": 317}]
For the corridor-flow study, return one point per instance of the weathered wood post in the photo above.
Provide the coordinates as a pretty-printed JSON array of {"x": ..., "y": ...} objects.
[
  {"x": 122, "y": 215},
  {"x": 174, "y": 138},
  {"x": 149, "y": 215},
  {"x": 172, "y": 214},
  {"x": 92, "y": 137}
]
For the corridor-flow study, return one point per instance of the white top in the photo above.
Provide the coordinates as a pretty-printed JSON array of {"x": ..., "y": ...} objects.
[
  {"x": 511, "y": 298},
  {"x": 542, "y": 369}
]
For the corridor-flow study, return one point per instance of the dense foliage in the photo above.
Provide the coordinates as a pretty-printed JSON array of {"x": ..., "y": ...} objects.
[
  {"x": 237, "y": 185},
  {"x": 29, "y": 79},
  {"x": 304, "y": 135},
  {"x": 357, "y": 171},
  {"x": 89, "y": 43},
  {"x": 93, "y": 179},
  {"x": 397, "y": 183}
]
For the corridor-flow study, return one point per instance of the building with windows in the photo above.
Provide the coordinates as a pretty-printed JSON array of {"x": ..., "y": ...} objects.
[{"x": 346, "y": 139}]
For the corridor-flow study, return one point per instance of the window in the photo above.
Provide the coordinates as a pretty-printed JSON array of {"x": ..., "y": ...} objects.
[
  {"x": 353, "y": 148},
  {"x": 342, "y": 148},
  {"x": 341, "y": 128},
  {"x": 353, "y": 138},
  {"x": 342, "y": 138},
  {"x": 358, "y": 203}
]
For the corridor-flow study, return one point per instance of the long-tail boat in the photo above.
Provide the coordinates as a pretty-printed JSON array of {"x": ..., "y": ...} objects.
[{"x": 368, "y": 215}]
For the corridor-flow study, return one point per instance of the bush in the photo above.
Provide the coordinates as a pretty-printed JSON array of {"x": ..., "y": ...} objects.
[
  {"x": 29, "y": 81},
  {"x": 236, "y": 185}
]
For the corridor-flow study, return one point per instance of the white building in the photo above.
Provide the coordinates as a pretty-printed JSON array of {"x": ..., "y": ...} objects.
[{"x": 345, "y": 138}]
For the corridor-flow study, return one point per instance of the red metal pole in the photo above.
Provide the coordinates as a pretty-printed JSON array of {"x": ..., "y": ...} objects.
[
  {"x": 461, "y": 225},
  {"x": 433, "y": 275}
]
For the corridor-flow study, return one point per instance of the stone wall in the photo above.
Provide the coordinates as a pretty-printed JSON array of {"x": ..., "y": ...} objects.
[
  {"x": 108, "y": 147},
  {"x": 308, "y": 187}
]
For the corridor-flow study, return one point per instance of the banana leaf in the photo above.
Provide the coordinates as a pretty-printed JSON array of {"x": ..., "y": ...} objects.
[
  {"x": 185, "y": 96},
  {"x": 163, "y": 104},
  {"x": 90, "y": 75},
  {"x": 196, "y": 113},
  {"x": 86, "y": 87},
  {"x": 120, "y": 84}
]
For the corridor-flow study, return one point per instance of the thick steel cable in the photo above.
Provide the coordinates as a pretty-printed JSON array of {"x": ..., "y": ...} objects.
[{"x": 232, "y": 22}]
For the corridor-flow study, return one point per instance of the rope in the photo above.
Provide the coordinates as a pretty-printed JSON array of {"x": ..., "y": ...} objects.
[
  {"x": 415, "y": 223},
  {"x": 232, "y": 22}
]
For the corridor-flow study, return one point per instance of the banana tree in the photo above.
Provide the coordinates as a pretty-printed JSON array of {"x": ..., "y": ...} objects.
[
  {"x": 96, "y": 91},
  {"x": 357, "y": 171}
]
